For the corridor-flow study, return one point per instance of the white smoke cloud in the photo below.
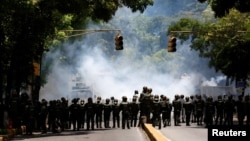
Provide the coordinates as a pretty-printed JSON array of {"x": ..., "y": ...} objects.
[{"x": 122, "y": 75}]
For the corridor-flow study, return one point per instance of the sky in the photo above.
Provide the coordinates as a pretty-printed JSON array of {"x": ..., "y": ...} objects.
[{"x": 117, "y": 77}]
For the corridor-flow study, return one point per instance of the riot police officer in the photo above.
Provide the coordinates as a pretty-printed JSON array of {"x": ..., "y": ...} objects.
[
  {"x": 134, "y": 111},
  {"x": 74, "y": 114},
  {"x": 219, "y": 108},
  {"x": 116, "y": 114},
  {"x": 209, "y": 111},
  {"x": 29, "y": 117},
  {"x": 177, "y": 109},
  {"x": 193, "y": 113},
  {"x": 188, "y": 106},
  {"x": 107, "y": 111},
  {"x": 144, "y": 92},
  {"x": 99, "y": 112},
  {"x": 125, "y": 109},
  {"x": 146, "y": 103},
  {"x": 199, "y": 109},
  {"x": 156, "y": 111},
  {"x": 82, "y": 114},
  {"x": 182, "y": 114},
  {"x": 90, "y": 113},
  {"x": 65, "y": 119},
  {"x": 166, "y": 107},
  {"x": 43, "y": 115},
  {"x": 229, "y": 109}
]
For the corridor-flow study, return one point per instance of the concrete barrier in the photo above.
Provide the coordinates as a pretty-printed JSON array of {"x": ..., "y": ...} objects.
[{"x": 153, "y": 133}]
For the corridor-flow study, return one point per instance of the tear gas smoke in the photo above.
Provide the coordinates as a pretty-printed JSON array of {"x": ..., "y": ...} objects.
[{"x": 126, "y": 72}]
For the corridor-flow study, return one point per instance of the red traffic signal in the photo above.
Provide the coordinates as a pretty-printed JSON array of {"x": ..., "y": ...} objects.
[
  {"x": 118, "y": 42},
  {"x": 172, "y": 44}
]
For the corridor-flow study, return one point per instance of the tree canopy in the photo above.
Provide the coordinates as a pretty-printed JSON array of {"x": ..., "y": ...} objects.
[
  {"x": 225, "y": 42},
  {"x": 28, "y": 27},
  {"x": 222, "y": 7}
]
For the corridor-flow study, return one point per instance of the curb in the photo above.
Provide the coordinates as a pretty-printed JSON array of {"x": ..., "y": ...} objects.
[{"x": 153, "y": 133}]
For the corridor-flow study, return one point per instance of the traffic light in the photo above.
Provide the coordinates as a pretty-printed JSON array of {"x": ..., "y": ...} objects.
[
  {"x": 118, "y": 42},
  {"x": 172, "y": 44}
]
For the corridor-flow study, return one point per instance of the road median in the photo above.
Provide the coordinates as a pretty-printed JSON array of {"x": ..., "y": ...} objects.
[{"x": 153, "y": 133}]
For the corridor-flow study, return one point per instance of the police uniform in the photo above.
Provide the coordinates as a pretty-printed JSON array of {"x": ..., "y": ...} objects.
[
  {"x": 74, "y": 114},
  {"x": 107, "y": 111},
  {"x": 99, "y": 113},
  {"x": 90, "y": 113},
  {"x": 116, "y": 114},
  {"x": 188, "y": 106},
  {"x": 156, "y": 111},
  {"x": 134, "y": 111},
  {"x": 125, "y": 109},
  {"x": 177, "y": 109},
  {"x": 199, "y": 108}
]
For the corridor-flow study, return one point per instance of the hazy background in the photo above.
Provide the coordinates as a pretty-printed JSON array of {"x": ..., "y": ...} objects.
[{"x": 129, "y": 69}]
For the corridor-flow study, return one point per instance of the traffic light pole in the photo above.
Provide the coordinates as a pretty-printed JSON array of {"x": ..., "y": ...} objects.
[
  {"x": 189, "y": 31},
  {"x": 84, "y": 32}
]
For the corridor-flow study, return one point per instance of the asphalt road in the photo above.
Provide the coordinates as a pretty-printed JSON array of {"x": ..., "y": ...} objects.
[
  {"x": 112, "y": 134},
  {"x": 185, "y": 133}
]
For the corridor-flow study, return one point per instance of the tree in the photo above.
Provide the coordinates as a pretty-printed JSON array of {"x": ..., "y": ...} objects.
[
  {"x": 225, "y": 43},
  {"x": 28, "y": 27},
  {"x": 222, "y": 7}
]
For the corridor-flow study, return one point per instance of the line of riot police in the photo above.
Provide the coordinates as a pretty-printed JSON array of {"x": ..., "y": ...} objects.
[
  {"x": 58, "y": 115},
  {"x": 221, "y": 110}
]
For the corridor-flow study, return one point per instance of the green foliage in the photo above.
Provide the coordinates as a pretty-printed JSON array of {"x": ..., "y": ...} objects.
[
  {"x": 223, "y": 7},
  {"x": 222, "y": 42},
  {"x": 28, "y": 28}
]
